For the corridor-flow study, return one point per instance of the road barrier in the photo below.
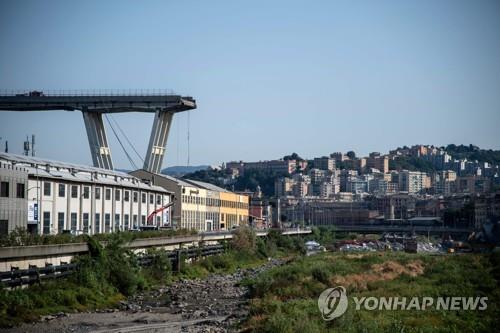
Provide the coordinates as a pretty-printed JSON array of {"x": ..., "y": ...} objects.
[{"x": 19, "y": 277}]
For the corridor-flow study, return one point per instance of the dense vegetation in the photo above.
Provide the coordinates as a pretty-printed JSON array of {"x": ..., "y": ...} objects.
[
  {"x": 109, "y": 274},
  {"x": 21, "y": 237},
  {"x": 248, "y": 181},
  {"x": 473, "y": 153},
  {"x": 285, "y": 299},
  {"x": 211, "y": 176},
  {"x": 412, "y": 164}
]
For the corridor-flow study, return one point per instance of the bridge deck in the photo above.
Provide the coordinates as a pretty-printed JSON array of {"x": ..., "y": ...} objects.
[{"x": 97, "y": 103}]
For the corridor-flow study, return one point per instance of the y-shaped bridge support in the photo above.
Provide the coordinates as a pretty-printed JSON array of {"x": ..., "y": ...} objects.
[
  {"x": 99, "y": 149},
  {"x": 158, "y": 141}
]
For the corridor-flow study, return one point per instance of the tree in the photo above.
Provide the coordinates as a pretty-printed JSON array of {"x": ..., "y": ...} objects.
[
  {"x": 293, "y": 156},
  {"x": 351, "y": 154}
]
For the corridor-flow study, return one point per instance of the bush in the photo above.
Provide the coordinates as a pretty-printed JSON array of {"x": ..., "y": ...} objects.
[
  {"x": 244, "y": 239},
  {"x": 321, "y": 274}
]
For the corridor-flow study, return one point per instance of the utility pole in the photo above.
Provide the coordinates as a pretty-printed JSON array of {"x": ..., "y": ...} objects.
[
  {"x": 27, "y": 146},
  {"x": 32, "y": 144}
]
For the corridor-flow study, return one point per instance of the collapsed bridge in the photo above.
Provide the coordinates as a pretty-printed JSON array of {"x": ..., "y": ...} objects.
[{"x": 94, "y": 104}]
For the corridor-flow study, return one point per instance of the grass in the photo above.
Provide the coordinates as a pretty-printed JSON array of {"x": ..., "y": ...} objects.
[{"x": 284, "y": 299}]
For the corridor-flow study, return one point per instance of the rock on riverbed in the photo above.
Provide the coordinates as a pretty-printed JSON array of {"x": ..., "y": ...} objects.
[{"x": 214, "y": 304}]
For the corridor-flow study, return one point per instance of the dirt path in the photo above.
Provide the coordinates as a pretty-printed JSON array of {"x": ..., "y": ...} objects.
[{"x": 213, "y": 304}]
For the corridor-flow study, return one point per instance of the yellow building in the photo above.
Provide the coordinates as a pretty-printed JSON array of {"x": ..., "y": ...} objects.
[
  {"x": 199, "y": 205},
  {"x": 233, "y": 210}
]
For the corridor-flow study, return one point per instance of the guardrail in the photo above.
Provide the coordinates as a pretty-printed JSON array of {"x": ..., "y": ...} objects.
[
  {"x": 18, "y": 277},
  {"x": 86, "y": 92},
  {"x": 13, "y": 253}
]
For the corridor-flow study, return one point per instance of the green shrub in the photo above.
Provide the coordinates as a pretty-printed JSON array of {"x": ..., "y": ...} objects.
[{"x": 321, "y": 274}]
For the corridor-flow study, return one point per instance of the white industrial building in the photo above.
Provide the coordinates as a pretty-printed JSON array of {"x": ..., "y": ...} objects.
[{"x": 63, "y": 197}]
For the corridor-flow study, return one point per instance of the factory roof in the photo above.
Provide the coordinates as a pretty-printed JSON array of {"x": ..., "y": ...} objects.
[{"x": 45, "y": 168}]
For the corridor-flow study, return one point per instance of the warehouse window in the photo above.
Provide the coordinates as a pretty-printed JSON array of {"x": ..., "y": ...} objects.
[
  {"x": 74, "y": 221},
  {"x": 86, "y": 192},
  {"x": 46, "y": 223},
  {"x": 97, "y": 223},
  {"x": 117, "y": 222},
  {"x": 20, "y": 190},
  {"x": 4, "y": 227},
  {"x": 126, "y": 221},
  {"x": 85, "y": 219},
  {"x": 4, "y": 189},
  {"x": 74, "y": 191},
  {"x": 107, "y": 222},
  {"x": 46, "y": 188},
  {"x": 60, "y": 222},
  {"x": 62, "y": 190}
]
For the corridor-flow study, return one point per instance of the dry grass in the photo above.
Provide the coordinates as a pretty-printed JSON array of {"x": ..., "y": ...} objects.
[{"x": 386, "y": 271}]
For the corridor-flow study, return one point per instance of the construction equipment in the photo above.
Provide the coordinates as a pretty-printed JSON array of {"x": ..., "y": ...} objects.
[{"x": 159, "y": 210}]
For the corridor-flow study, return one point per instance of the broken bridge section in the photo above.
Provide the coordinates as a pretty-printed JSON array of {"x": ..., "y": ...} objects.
[{"x": 93, "y": 104}]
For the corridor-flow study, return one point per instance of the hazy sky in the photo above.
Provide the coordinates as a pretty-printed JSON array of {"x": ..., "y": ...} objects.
[{"x": 270, "y": 77}]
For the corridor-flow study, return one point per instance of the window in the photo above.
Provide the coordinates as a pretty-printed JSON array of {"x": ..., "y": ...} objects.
[
  {"x": 117, "y": 222},
  {"x": 126, "y": 221},
  {"x": 46, "y": 189},
  {"x": 97, "y": 223},
  {"x": 73, "y": 221},
  {"x": 20, "y": 190},
  {"x": 74, "y": 191},
  {"x": 107, "y": 222},
  {"x": 108, "y": 194},
  {"x": 158, "y": 199},
  {"x": 86, "y": 192},
  {"x": 60, "y": 222},
  {"x": 117, "y": 195},
  {"x": 4, "y": 227},
  {"x": 134, "y": 220},
  {"x": 126, "y": 196},
  {"x": 85, "y": 218},
  {"x": 4, "y": 189},
  {"x": 143, "y": 198},
  {"x": 151, "y": 199},
  {"x": 62, "y": 190},
  {"x": 136, "y": 196},
  {"x": 46, "y": 223},
  {"x": 98, "y": 193}
]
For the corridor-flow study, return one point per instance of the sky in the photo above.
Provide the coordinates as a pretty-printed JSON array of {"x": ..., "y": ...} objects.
[{"x": 269, "y": 77}]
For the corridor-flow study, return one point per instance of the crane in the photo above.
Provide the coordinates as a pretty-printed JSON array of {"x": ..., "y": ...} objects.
[{"x": 159, "y": 210}]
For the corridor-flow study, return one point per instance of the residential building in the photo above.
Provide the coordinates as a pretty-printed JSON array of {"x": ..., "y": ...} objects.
[
  {"x": 412, "y": 181},
  {"x": 324, "y": 163},
  {"x": 380, "y": 163}
]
